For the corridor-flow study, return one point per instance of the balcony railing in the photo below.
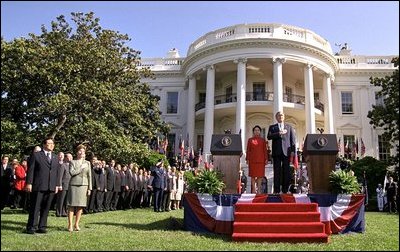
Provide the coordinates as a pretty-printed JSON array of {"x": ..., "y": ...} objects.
[
  {"x": 251, "y": 96},
  {"x": 368, "y": 60},
  {"x": 260, "y": 30}
]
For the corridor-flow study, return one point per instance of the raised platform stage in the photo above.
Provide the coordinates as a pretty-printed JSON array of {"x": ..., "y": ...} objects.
[{"x": 223, "y": 213}]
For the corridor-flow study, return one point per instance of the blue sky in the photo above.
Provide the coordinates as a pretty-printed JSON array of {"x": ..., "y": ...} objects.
[{"x": 369, "y": 28}]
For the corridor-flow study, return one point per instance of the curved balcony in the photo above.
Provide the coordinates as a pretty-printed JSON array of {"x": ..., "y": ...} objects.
[
  {"x": 254, "y": 97},
  {"x": 260, "y": 30}
]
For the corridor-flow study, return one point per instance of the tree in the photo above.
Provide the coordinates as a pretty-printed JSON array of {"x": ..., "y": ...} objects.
[
  {"x": 387, "y": 116},
  {"x": 372, "y": 170},
  {"x": 78, "y": 83}
]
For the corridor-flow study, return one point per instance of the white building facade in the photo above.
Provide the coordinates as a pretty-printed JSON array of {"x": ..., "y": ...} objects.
[{"x": 237, "y": 77}]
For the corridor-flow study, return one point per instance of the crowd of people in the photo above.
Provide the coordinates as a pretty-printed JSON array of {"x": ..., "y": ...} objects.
[{"x": 74, "y": 186}]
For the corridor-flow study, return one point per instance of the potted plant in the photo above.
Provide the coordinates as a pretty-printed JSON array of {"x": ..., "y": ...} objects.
[
  {"x": 206, "y": 181},
  {"x": 342, "y": 182}
]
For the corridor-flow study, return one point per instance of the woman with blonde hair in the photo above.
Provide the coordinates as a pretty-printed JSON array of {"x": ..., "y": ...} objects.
[{"x": 79, "y": 187}]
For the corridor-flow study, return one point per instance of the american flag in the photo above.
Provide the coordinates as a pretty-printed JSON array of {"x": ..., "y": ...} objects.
[
  {"x": 191, "y": 153},
  {"x": 356, "y": 145},
  {"x": 362, "y": 148},
  {"x": 295, "y": 161},
  {"x": 182, "y": 146}
]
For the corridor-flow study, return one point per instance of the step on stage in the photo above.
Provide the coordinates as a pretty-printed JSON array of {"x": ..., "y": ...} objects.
[{"x": 275, "y": 217}]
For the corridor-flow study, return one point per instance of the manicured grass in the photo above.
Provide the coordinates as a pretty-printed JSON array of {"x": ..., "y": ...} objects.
[{"x": 142, "y": 229}]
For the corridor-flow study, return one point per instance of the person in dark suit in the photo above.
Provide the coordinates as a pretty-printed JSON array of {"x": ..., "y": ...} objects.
[
  {"x": 6, "y": 180},
  {"x": 65, "y": 177},
  {"x": 43, "y": 182},
  {"x": 283, "y": 146},
  {"x": 100, "y": 177},
  {"x": 158, "y": 185},
  {"x": 110, "y": 183},
  {"x": 391, "y": 193}
]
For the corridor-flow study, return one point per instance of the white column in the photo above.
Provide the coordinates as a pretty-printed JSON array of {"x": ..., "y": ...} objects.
[
  {"x": 278, "y": 84},
  {"x": 328, "y": 112},
  {"x": 191, "y": 110},
  {"x": 241, "y": 99},
  {"x": 309, "y": 87},
  {"x": 209, "y": 111}
]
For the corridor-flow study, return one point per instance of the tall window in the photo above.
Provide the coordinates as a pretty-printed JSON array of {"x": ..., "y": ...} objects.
[
  {"x": 172, "y": 102},
  {"x": 228, "y": 94},
  {"x": 202, "y": 97},
  {"x": 171, "y": 145},
  {"x": 384, "y": 148},
  {"x": 316, "y": 96},
  {"x": 288, "y": 95},
  {"x": 200, "y": 139},
  {"x": 379, "y": 100},
  {"x": 258, "y": 91},
  {"x": 347, "y": 102}
]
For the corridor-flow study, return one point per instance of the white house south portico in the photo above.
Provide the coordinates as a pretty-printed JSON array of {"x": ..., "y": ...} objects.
[{"x": 239, "y": 76}]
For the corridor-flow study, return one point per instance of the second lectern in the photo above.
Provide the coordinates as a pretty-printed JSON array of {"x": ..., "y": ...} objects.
[
  {"x": 226, "y": 150},
  {"x": 320, "y": 152}
]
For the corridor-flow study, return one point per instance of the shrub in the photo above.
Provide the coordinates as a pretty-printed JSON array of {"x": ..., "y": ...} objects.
[
  {"x": 206, "y": 181},
  {"x": 342, "y": 182}
]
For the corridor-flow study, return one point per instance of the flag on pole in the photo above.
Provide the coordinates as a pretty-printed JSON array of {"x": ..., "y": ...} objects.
[
  {"x": 165, "y": 145},
  {"x": 385, "y": 182},
  {"x": 346, "y": 147},
  {"x": 365, "y": 188},
  {"x": 191, "y": 154},
  {"x": 200, "y": 161},
  {"x": 353, "y": 150},
  {"x": 181, "y": 145},
  {"x": 294, "y": 160},
  {"x": 362, "y": 148},
  {"x": 356, "y": 145},
  {"x": 339, "y": 146}
]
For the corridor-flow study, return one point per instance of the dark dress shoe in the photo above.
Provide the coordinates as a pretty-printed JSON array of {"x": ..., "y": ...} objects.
[
  {"x": 41, "y": 231},
  {"x": 30, "y": 231}
]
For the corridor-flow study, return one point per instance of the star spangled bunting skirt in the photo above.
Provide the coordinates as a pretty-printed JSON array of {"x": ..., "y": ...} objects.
[{"x": 215, "y": 213}]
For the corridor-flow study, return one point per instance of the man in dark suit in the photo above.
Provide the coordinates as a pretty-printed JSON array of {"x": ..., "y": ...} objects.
[
  {"x": 65, "y": 177},
  {"x": 158, "y": 185},
  {"x": 6, "y": 180},
  {"x": 110, "y": 183},
  {"x": 101, "y": 187},
  {"x": 43, "y": 182},
  {"x": 391, "y": 193},
  {"x": 283, "y": 146}
]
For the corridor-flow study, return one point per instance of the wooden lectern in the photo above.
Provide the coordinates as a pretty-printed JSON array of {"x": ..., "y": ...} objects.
[
  {"x": 320, "y": 152},
  {"x": 226, "y": 150}
]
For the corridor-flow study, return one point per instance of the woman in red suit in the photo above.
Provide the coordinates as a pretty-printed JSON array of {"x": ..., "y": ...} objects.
[{"x": 256, "y": 157}]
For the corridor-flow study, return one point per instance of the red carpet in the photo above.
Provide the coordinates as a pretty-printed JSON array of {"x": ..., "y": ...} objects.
[{"x": 278, "y": 222}]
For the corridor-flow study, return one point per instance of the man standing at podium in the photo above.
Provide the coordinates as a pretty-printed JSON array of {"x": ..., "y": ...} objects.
[{"x": 283, "y": 146}]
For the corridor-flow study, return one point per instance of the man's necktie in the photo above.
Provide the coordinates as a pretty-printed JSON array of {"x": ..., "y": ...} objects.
[{"x": 48, "y": 157}]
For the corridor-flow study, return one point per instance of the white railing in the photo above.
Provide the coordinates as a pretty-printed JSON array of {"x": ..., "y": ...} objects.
[
  {"x": 274, "y": 31},
  {"x": 160, "y": 62},
  {"x": 369, "y": 60},
  {"x": 175, "y": 63}
]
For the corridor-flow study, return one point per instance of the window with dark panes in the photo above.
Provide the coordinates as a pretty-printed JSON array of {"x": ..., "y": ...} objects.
[{"x": 172, "y": 102}]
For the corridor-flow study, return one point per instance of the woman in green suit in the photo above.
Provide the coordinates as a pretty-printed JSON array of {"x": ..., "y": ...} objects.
[{"x": 79, "y": 187}]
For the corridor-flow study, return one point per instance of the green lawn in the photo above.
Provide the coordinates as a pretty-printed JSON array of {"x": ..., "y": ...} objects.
[{"x": 142, "y": 229}]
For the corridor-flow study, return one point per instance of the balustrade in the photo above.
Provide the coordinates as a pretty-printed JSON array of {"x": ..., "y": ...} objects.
[{"x": 256, "y": 97}]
